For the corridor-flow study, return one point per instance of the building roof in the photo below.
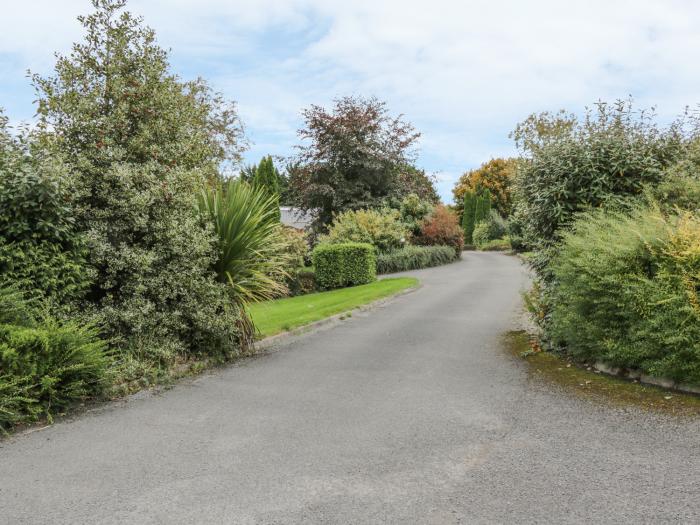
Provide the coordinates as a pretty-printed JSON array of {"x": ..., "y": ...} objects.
[{"x": 295, "y": 217}]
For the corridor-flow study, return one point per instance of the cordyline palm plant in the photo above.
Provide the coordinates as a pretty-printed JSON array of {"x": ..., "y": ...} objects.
[{"x": 251, "y": 248}]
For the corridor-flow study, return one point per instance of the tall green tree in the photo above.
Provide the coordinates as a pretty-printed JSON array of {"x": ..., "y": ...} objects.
[
  {"x": 267, "y": 177},
  {"x": 482, "y": 209},
  {"x": 468, "y": 215},
  {"x": 141, "y": 143}
]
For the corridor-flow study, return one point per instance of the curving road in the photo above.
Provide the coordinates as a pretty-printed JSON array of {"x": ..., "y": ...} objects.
[{"x": 410, "y": 413}]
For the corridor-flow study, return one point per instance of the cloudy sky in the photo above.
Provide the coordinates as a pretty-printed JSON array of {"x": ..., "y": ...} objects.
[{"x": 464, "y": 72}]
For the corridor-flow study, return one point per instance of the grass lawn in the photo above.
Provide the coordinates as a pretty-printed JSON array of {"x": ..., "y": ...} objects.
[{"x": 273, "y": 317}]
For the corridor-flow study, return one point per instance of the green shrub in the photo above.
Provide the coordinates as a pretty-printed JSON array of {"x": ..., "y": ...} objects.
[
  {"x": 156, "y": 292},
  {"x": 47, "y": 269},
  {"x": 414, "y": 258},
  {"x": 626, "y": 292},
  {"x": 413, "y": 211},
  {"x": 340, "y": 265},
  {"x": 39, "y": 245},
  {"x": 302, "y": 280},
  {"x": 382, "y": 229},
  {"x": 482, "y": 208},
  {"x": 571, "y": 166},
  {"x": 44, "y": 366},
  {"x": 477, "y": 208},
  {"x": 497, "y": 226},
  {"x": 481, "y": 234},
  {"x": 496, "y": 245},
  {"x": 141, "y": 143}
]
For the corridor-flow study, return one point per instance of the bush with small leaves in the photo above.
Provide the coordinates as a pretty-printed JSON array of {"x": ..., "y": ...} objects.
[
  {"x": 348, "y": 264},
  {"x": 414, "y": 258}
]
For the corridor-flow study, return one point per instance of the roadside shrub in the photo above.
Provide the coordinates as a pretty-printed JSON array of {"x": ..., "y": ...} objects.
[
  {"x": 299, "y": 279},
  {"x": 382, "y": 229},
  {"x": 468, "y": 215},
  {"x": 441, "y": 228},
  {"x": 45, "y": 366},
  {"x": 348, "y": 264},
  {"x": 156, "y": 291},
  {"x": 496, "y": 245},
  {"x": 481, "y": 234},
  {"x": 140, "y": 144},
  {"x": 626, "y": 292},
  {"x": 680, "y": 186},
  {"x": 414, "y": 258},
  {"x": 302, "y": 280},
  {"x": 39, "y": 245},
  {"x": 413, "y": 211},
  {"x": 602, "y": 160},
  {"x": 516, "y": 232}
]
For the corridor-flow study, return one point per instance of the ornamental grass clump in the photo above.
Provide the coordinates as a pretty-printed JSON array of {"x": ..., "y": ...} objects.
[{"x": 251, "y": 256}]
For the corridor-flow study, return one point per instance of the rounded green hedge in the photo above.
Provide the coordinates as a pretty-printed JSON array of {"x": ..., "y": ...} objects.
[{"x": 346, "y": 264}]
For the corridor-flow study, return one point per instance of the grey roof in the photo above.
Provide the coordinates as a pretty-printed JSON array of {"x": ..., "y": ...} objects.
[{"x": 295, "y": 217}]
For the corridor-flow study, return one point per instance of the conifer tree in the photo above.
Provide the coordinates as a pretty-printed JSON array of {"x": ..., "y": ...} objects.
[
  {"x": 267, "y": 176},
  {"x": 470, "y": 200}
]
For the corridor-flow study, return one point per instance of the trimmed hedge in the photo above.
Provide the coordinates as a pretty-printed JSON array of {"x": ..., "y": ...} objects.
[
  {"x": 347, "y": 264},
  {"x": 414, "y": 258}
]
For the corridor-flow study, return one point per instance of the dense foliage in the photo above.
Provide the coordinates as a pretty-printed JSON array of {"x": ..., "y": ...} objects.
[
  {"x": 266, "y": 176},
  {"x": 627, "y": 292},
  {"x": 351, "y": 159},
  {"x": 441, "y": 228},
  {"x": 573, "y": 165},
  {"x": 383, "y": 229},
  {"x": 340, "y": 265},
  {"x": 414, "y": 258},
  {"x": 497, "y": 176},
  {"x": 476, "y": 208},
  {"x": 413, "y": 211},
  {"x": 45, "y": 366},
  {"x": 490, "y": 229},
  {"x": 39, "y": 244},
  {"x": 141, "y": 143},
  {"x": 250, "y": 255}
]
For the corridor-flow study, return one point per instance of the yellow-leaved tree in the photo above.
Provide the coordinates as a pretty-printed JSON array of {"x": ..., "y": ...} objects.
[{"x": 497, "y": 176}]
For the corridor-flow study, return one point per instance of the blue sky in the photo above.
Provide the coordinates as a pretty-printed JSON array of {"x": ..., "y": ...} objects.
[{"x": 464, "y": 72}]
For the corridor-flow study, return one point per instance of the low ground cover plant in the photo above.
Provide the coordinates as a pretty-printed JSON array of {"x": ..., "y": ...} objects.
[
  {"x": 414, "y": 258},
  {"x": 347, "y": 264},
  {"x": 45, "y": 365}
]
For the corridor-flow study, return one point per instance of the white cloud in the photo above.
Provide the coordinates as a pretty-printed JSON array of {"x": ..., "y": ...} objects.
[{"x": 463, "y": 72}]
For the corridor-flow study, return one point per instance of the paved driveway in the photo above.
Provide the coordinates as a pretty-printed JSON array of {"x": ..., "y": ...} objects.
[{"x": 410, "y": 413}]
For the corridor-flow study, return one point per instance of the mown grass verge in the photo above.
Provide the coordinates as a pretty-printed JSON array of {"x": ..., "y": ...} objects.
[{"x": 280, "y": 315}]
